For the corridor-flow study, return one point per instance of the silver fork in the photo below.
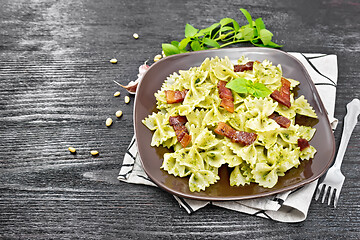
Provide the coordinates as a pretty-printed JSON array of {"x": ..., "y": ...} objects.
[{"x": 334, "y": 179}]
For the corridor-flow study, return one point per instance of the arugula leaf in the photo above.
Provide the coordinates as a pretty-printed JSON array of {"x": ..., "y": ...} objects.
[
  {"x": 199, "y": 34},
  {"x": 183, "y": 43},
  {"x": 211, "y": 42},
  {"x": 190, "y": 31},
  {"x": 175, "y": 43},
  {"x": 236, "y": 26},
  {"x": 242, "y": 85},
  {"x": 259, "y": 25},
  {"x": 239, "y": 35},
  {"x": 265, "y": 36},
  {"x": 226, "y": 28},
  {"x": 170, "y": 49},
  {"x": 248, "y": 16},
  {"x": 257, "y": 43},
  {"x": 239, "y": 85},
  {"x": 225, "y": 21},
  {"x": 195, "y": 46},
  {"x": 273, "y": 45},
  {"x": 248, "y": 33},
  {"x": 269, "y": 45},
  {"x": 260, "y": 90},
  {"x": 209, "y": 29}
]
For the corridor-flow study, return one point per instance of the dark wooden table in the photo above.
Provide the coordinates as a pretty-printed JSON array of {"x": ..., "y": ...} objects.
[{"x": 56, "y": 90}]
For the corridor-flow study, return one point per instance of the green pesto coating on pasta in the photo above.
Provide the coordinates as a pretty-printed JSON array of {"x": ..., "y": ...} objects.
[{"x": 275, "y": 150}]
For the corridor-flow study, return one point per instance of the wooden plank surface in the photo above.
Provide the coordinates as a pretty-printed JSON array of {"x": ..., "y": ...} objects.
[{"x": 56, "y": 91}]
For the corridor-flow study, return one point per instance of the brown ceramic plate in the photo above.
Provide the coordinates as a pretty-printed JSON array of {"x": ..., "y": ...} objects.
[{"x": 152, "y": 157}]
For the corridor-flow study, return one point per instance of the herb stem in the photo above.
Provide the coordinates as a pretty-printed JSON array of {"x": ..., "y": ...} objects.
[
  {"x": 217, "y": 33},
  {"x": 224, "y": 37},
  {"x": 229, "y": 43}
]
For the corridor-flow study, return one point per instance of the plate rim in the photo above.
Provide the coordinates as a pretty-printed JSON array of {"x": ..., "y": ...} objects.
[{"x": 243, "y": 197}]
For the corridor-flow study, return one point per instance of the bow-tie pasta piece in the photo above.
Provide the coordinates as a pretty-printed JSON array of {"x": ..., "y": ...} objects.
[
  {"x": 202, "y": 179},
  {"x": 303, "y": 107}
]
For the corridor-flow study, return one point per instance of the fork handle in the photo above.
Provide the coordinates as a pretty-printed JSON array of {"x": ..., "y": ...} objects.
[{"x": 350, "y": 120}]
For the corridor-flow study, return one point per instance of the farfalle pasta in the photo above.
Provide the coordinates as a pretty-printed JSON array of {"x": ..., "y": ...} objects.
[{"x": 276, "y": 148}]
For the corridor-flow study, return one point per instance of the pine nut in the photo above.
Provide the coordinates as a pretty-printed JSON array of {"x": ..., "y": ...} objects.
[
  {"x": 72, "y": 150},
  {"x": 118, "y": 113},
  {"x": 94, "y": 152},
  {"x": 127, "y": 99},
  {"x": 116, "y": 94},
  {"x": 114, "y": 60},
  {"x": 157, "y": 58},
  {"x": 108, "y": 122}
]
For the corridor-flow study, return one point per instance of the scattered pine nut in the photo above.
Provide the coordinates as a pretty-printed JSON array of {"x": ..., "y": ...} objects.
[
  {"x": 94, "y": 152},
  {"x": 72, "y": 149},
  {"x": 114, "y": 60},
  {"x": 118, "y": 113},
  {"x": 136, "y": 36},
  {"x": 157, "y": 58},
  {"x": 108, "y": 122},
  {"x": 116, "y": 94},
  {"x": 127, "y": 99}
]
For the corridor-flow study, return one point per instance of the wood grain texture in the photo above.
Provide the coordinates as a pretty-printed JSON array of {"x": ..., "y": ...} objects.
[{"x": 56, "y": 91}]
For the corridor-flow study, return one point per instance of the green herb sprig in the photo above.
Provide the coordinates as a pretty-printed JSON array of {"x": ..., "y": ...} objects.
[
  {"x": 242, "y": 85},
  {"x": 222, "y": 34}
]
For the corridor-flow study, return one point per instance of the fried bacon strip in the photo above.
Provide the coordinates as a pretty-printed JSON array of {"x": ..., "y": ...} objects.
[
  {"x": 303, "y": 143},
  {"x": 244, "y": 138},
  {"x": 281, "y": 120},
  {"x": 282, "y": 96},
  {"x": 285, "y": 87},
  {"x": 175, "y": 96},
  {"x": 244, "y": 67},
  {"x": 182, "y": 134},
  {"x": 227, "y": 100}
]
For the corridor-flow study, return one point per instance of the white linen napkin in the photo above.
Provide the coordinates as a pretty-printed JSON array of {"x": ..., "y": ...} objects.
[{"x": 290, "y": 206}]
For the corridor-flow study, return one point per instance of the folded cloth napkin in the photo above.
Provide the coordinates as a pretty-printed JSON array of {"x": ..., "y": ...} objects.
[{"x": 290, "y": 206}]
